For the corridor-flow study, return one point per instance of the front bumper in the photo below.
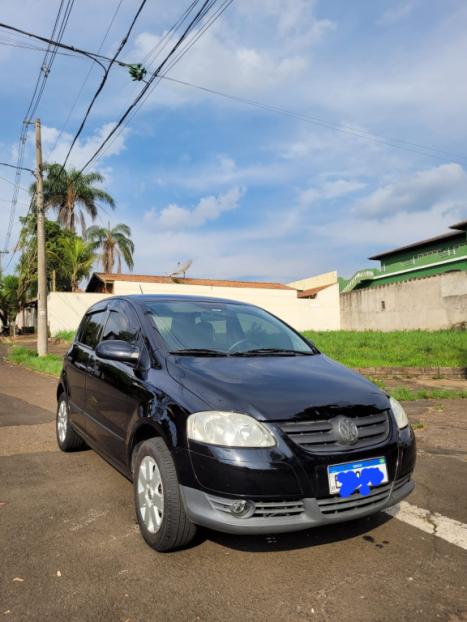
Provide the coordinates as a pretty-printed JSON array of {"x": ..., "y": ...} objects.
[{"x": 212, "y": 511}]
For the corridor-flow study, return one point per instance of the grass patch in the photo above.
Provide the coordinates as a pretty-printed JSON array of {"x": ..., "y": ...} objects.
[
  {"x": 408, "y": 395},
  {"x": 65, "y": 335},
  {"x": 416, "y": 348},
  {"x": 50, "y": 364}
]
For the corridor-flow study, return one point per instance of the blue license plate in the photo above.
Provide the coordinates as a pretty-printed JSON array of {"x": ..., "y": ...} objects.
[{"x": 357, "y": 468}]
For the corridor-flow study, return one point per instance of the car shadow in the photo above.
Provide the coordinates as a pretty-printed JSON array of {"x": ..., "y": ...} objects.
[{"x": 316, "y": 536}]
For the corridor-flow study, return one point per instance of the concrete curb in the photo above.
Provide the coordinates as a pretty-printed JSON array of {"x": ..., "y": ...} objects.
[{"x": 414, "y": 372}]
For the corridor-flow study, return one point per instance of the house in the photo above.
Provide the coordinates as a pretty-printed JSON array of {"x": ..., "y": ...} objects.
[{"x": 443, "y": 253}]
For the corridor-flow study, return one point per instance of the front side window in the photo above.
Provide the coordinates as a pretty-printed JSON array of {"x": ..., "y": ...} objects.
[
  {"x": 223, "y": 328},
  {"x": 121, "y": 325},
  {"x": 91, "y": 328}
]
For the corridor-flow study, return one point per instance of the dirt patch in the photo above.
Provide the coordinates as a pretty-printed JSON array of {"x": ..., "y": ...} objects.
[{"x": 440, "y": 426}]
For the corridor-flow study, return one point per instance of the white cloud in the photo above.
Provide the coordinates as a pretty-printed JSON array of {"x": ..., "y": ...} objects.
[
  {"x": 174, "y": 217},
  {"x": 397, "y": 12},
  {"x": 330, "y": 190},
  {"x": 445, "y": 184},
  {"x": 222, "y": 171},
  {"x": 84, "y": 148},
  {"x": 258, "y": 48}
]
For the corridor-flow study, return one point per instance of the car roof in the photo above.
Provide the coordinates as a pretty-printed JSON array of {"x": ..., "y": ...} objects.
[{"x": 142, "y": 298}]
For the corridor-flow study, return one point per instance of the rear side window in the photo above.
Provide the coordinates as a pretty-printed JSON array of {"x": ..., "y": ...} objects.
[
  {"x": 91, "y": 328},
  {"x": 122, "y": 324}
]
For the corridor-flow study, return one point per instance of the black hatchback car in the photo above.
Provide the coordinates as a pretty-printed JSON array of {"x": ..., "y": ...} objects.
[{"x": 225, "y": 417}]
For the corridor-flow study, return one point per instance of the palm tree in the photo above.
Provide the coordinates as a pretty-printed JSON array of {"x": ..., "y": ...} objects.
[
  {"x": 77, "y": 257},
  {"x": 73, "y": 195},
  {"x": 114, "y": 243}
]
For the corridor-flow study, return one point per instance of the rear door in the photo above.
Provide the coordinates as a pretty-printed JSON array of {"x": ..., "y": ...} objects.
[
  {"x": 79, "y": 363},
  {"x": 114, "y": 391}
]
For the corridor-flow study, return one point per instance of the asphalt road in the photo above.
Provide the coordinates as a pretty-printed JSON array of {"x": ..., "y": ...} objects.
[{"x": 71, "y": 550}]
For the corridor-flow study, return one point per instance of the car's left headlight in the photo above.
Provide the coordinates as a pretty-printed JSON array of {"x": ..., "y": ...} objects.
[
  {"x": 228, "y": 430},
  {"x": 399, "y": 413}
]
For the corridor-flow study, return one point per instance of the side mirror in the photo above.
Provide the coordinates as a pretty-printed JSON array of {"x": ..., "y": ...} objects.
[{"x": 118, "y": 350}]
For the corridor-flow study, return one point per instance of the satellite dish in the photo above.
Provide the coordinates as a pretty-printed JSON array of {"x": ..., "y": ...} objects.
[{"x": 182, "y": 268}]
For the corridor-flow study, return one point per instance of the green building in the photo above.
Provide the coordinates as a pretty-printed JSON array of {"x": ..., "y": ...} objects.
[{"x": 444, "y": 253}]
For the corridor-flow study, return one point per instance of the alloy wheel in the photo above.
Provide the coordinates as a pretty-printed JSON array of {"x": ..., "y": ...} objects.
[
  {"x": 150, "y": 494},
  {"x": 62, "y": 421}
]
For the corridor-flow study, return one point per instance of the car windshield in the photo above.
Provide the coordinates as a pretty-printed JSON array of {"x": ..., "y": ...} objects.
[{"x": 221, "y": 329}]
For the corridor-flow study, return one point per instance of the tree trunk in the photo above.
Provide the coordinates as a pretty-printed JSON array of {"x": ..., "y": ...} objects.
[{"x": 70, "y": 208}]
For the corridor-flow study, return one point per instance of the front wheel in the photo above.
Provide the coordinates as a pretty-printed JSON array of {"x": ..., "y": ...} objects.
[
  {"x": 67, "y": 438},
  {"x": 159, "y": 508}
]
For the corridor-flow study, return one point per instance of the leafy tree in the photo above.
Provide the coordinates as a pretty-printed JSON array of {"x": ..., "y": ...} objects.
[
  {"x": 76, "y": 257},
  {"x": 9, "y": 299},
  {"x": 27, "y": 266},
  {"x": 73, "y": 195},
  {"x": 114, "y": 244}
]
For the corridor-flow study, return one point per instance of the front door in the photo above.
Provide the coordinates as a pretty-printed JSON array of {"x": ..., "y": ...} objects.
[
  {"x": 78, "y": 365},
  {"x": 114, "y": 391}
]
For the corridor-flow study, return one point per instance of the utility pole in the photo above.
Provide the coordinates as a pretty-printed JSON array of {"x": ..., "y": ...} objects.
[
  {"x": 42, "y": 344},
  {"x": 2, "y": 253}
]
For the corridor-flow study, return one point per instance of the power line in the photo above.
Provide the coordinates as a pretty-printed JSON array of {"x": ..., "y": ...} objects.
[
  {"x": 23, "y": 168},
  {"x": 49, "y": 57},
  {"x": 420, "y": 149},
  {"x": 58, "y": 44},
  {"x": 12, "y": 183},
  {"x": 15, "y": 44},
  {"x": 205, "y": 8},
  {"x": 103, "y": 81},
  {"x": 73, "y": 106},
  {"x": 392, "y": 142},
  {"x": 150, "y": 57}
]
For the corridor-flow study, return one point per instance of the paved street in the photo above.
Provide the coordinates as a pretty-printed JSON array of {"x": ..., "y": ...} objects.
[{"x": 70, "y": 548}]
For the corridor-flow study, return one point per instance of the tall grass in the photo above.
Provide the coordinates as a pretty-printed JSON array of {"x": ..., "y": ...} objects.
[
  {"x": 50, "y": 364},
  {"x": 65, "y": 335},
  {"x": 415, "y": 348}
]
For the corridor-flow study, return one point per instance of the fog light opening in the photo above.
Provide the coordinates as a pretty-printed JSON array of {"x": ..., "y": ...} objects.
[{"x": 242, "y": 509}]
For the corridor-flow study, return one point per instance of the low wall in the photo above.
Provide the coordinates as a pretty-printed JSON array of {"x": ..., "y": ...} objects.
[
  {"x": 430, "y": 303},
  {"x": 320, "y": 313},
  {"x": 66, "y": 309}
]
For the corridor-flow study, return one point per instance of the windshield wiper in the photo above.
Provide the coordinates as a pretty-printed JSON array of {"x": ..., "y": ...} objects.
[
  {"x": 199, "y": 352},
  {"x": 281, "y": 351}
]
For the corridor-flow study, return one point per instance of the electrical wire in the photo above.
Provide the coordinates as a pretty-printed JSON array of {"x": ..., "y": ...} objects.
[
  {"x": 15, "y": 44},
  {"x": 73, "y": 106},
  {"x": 12, "y": 183},
  {"x": 392, "y": 142},
  {"x": 71, "y": 48},
  {"x": 23, "y": 168},
  {"x": 46, "y": 66},
  {"x": 102, "y": 83},
  {"x": 149, "y": 59},
  {"x": 145, "y": 91}
]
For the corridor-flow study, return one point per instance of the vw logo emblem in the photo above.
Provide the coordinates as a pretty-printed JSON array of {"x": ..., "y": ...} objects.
[{"x": 346, "y": 430}]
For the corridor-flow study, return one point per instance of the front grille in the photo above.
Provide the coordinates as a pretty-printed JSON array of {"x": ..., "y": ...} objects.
[
  {"x": 333, "y": 506},
  {"x": 263, "y": 509},
  {"x": 320, "y": 435}
]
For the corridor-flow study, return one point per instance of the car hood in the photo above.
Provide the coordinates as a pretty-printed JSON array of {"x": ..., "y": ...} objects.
[{"x": 277, "y": 388}]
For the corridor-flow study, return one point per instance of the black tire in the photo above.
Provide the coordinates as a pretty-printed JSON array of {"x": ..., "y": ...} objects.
[
  {"x": 176, "y": 530},
  {"x": 70, "y": 441}
]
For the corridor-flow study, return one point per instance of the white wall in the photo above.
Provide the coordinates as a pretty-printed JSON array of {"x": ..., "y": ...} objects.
[
  {"x": 430, "y": 303},
  {"x": 322, "y": 313},
  {"x": 66, "y": 309},
  {"x": 319, "y": 280}
]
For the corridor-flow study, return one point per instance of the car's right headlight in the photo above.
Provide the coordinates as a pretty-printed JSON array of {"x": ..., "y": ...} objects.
[
  {"x": 399, "y": 413},
  {"x": 228, "y": 430}
]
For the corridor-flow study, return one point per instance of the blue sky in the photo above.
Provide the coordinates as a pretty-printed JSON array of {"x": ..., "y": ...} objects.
[{"x": 244, "y": 192}]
